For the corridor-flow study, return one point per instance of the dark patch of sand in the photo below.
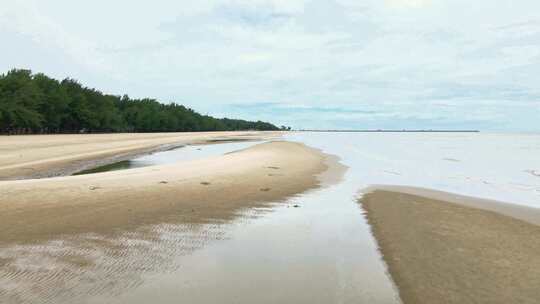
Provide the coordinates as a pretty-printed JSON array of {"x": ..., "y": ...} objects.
[{"x": 446, "y": 252}]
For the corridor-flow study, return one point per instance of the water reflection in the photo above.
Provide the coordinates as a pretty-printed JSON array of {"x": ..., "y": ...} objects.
[
  {"x": 320, "y": 252},
  {"x": 122, "y": 165}
]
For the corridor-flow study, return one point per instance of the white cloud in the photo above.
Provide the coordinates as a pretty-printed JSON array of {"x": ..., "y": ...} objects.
[
  {"x": 399, "y": 57},
  {"x": 408, "y": 3},
  {"x": 24, "y": 19}
]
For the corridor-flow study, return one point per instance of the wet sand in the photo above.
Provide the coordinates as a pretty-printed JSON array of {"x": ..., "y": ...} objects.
[
  {"x": 443, "y": 248},
  {"x": 192, "y": 192},
  {"x": 37, "y": 156}
]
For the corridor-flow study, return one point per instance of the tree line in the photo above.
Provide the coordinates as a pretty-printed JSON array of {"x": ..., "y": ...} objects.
[{"x": 37, "y": 104}]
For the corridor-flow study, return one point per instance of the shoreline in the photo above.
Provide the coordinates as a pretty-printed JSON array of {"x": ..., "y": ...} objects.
[
  {"x": 517, "y": 211},
  {"x": 441, "y": 247},
  {"x": 63, "y": 155},
  {"x": 216, "y": 188}
]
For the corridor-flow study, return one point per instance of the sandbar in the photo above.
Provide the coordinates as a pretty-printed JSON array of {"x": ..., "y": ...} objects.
[
  {"x": 215, "y": 188},
  {"x": 445, "y": 248}
]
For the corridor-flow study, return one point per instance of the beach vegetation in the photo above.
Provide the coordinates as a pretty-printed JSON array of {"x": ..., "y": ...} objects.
[{"x": 37, "y": 104}]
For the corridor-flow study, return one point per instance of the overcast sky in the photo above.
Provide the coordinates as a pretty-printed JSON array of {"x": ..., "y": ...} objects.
[{"x": 307, "y": 64}]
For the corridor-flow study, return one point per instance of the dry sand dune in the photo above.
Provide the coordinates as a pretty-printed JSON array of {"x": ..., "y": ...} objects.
[
  {"x": 35, "y": 156},
  {"x": 453, "y": 249},
  {"x": 213, "y": 188}
]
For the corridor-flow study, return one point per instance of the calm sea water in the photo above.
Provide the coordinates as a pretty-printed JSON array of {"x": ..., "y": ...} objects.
[
  {"x": 321, "y": 252},
  {"x": 502, "y": 167}
]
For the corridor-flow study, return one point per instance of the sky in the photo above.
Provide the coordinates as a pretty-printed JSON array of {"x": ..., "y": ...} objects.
[{"x": 334, "y": 64}]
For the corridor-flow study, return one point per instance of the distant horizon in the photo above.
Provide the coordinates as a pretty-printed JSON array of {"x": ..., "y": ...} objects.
[{"x": 390, "y": 130}]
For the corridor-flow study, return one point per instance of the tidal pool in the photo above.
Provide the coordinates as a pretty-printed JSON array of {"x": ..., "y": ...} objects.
[{"x": 184, "y": 153}]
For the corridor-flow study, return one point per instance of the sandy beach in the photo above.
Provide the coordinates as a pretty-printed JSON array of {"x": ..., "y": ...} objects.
[
  {"x": 37, "y": 156},
  {"x": 444, "y": 248},
  {"x": 167, "y": 232},
  {"x": 196, "y": 191}
]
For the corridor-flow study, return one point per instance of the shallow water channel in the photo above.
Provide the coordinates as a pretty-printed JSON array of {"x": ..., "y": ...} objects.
[
  {"x": 313, "y": 248},
  {"x": 184, "y": 153}
]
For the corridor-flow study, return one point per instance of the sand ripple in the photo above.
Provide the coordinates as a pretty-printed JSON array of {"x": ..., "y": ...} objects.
[{"x": 72, "y": 268}]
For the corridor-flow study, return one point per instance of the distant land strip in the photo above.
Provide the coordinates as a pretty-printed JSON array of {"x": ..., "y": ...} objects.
[{"x": 393, "y": 131}]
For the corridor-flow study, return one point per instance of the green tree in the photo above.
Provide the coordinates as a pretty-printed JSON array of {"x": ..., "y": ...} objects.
[
  {"x": 20, "y": 100},
  {"x": 39, "y": 104}
]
